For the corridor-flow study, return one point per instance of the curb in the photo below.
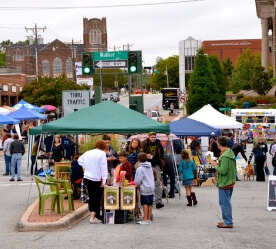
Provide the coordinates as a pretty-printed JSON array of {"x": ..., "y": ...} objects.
[{"x": 64, "y": 223}]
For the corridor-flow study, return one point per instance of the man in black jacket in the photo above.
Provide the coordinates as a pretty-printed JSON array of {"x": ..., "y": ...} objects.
[{"x": 17, "y": 150}]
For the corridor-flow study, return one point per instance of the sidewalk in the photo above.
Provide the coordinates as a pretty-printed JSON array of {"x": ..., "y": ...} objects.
[{"x": 52, "y": 221}]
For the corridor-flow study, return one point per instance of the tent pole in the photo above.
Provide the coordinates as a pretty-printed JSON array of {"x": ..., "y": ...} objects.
[
  {"x": 175, "y": 169},
  {"x": 32, "y": 139}
]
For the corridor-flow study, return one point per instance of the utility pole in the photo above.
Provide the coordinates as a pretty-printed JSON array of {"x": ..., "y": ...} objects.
[
  {"x": 35, "y": 31},
  {"x": 73, "y": 60},
  {"x": 127, "y": 45},
  {"x": 167, "y": 74}
]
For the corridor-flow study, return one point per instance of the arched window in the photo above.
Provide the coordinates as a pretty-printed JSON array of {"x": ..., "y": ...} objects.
[
  {"x": 46, "y": 68},
  {"x": 69, "y": 69},
  {"x": 57, "y": 67},
  {"x": 95, "y": 36}
]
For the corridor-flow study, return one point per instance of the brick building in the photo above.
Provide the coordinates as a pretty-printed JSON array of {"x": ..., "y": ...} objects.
[
  {"x": 57, "y": 57},
  {"x": 51, "y": 59},
  {"x": 10, "y": 86},
  {"x": 94, "y": 35},
  {"x": 231, "y": 48}
]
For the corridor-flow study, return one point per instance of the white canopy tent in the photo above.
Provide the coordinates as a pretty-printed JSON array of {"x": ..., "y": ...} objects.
[
  {"x": 4, "y": 111},
  {"x": 209, "y": 115}
]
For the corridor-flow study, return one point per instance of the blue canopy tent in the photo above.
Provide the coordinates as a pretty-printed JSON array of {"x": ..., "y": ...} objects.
[
  {"x": 8, "y": 120},
  {"x": 24, "y": 113},
  {"x": 190, "y": 127},
  {"x": 28, "y": 105}
]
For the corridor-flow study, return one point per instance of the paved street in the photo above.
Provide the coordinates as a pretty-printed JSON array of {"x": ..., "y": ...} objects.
[{"x": 175, "y": 226}]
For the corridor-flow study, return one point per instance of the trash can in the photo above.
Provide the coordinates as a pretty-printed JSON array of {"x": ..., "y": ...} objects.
[{"x": 246, "y": 105}]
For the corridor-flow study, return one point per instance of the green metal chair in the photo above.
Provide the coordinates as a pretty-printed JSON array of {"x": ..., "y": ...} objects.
[
  {"x": 66, "y": 189},
  {"x": 54, "y": 193}
]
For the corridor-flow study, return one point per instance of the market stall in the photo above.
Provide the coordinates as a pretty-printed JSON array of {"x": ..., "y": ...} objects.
[{"x": 105, "y": 117}]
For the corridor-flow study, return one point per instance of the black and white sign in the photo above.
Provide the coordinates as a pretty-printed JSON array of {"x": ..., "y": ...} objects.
[
  {"x": 110, "y": 64},
  {"x": 74, "y": 100},
  {"x": 271, "y": 195}
]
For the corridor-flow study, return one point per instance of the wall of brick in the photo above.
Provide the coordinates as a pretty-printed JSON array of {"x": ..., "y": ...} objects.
[
  {"x": 11, "y": 85},
  {"x": 231, "y": 48}
]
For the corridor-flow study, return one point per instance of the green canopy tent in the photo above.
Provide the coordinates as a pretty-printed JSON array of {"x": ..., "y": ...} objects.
[{"x": 105, "y": 117}]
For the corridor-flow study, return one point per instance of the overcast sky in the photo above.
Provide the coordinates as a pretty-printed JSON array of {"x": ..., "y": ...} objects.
[{"x": 154, "y": 29}]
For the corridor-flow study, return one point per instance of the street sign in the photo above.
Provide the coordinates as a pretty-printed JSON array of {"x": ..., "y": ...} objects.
[
  {"x": 74, "y": 100},
  {"x": 225, "y": 109},
  {"x": 111, "y": 56},
  {"x": 183, "y": 99},
  {"x": 110, "y": 64}
]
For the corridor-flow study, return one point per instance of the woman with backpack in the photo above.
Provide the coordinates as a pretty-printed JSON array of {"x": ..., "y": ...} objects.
[{"x": 259, "y": 160}]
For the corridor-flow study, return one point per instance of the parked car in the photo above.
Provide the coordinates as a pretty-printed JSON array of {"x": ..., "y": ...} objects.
[
  {"x": 154, "y": 115},
  {"x": 139, "y": 91},
  {"x": 114, "y": 96}
]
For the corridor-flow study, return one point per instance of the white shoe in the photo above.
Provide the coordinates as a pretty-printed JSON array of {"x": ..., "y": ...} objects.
[
  {"x": 149, "y": 222},
  {"x": 142, "y": 222},
  {"x": 95, "y": 221}
]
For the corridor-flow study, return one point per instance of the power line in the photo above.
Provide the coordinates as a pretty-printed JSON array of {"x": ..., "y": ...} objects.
[{"x": 96, "y": 7}]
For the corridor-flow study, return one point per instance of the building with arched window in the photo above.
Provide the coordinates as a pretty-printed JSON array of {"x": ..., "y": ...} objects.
[
  {"x": 94, "y": 34},
  {"x": 57, "y": 57}
]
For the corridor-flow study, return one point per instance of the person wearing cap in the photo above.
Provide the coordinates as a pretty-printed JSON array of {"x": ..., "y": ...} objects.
[{"x": 155, "y": 154}]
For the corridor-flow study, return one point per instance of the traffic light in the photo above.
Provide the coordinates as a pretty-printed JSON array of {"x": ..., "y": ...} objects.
[
  {"x": 87, "y": 63},
  {"x": 134, "y": 62}
]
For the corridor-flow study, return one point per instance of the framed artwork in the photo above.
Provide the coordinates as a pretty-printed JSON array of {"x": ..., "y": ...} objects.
[
  {"x": 271, "y": 195},
  {"x": 110, "y": 217},
  {"x": 128, "y": 198},
  {"x": 111, "y": 198},
  {"x": 196, "y": 160}
]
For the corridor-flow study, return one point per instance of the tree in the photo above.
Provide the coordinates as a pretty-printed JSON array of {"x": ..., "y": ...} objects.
[
  {"x": 3, "y": 45},
  {"x": 159, "y": 80},
  {"x": 202, "y": 86},
  {"x": 48, "y": 90},
  {"x": 260, "y": 81},
  {"x": 244, "y": 71},
  {"x": 108, "y": 77},
  {"x": 227, "y": 69},
  {"x": 2, "y": 59},
  {"x": 219, "y": 79}
]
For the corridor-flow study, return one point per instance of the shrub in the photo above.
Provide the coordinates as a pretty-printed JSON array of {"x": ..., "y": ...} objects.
[{"x": 239, "y": 96}]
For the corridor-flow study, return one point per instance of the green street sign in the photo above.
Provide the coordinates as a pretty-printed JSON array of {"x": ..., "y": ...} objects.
[
  {"x": 110, "y": 55},
  {"x": 225, "y": 109}
]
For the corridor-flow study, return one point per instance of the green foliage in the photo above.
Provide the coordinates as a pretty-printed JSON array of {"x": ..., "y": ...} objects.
[
  {"x": 159, "y": 81},
  {"x": 239, "y": 96},
  {"x": 270, "y": 99},
  {"x": 48, "y": 90},
  {"x": 2, "y": 59},
  {"x": 227, "y": 69},
  {"x": 202, "y": 87},
  {"x": 91, "y": 141},
  {"x": 219, "y": 79},
  {"x": 260, "y": 81},
  {"x": 244, "y": 71},
  {"x": 109, "y": 76},
  {"x": 229, "y": 103}
]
